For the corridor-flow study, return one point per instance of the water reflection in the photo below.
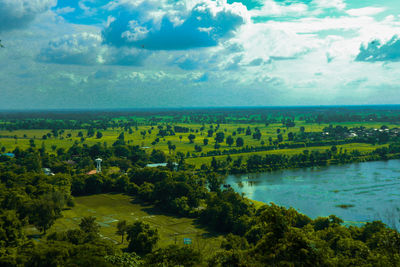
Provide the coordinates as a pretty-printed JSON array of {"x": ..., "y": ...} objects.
[{"x": 356, "y": 192}]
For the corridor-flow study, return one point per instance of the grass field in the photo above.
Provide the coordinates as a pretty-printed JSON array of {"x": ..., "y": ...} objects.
[
  {"x": 355, "y": 146},
  {"x": 8, "y": 141},
  {"x": 111, "y": 208}
]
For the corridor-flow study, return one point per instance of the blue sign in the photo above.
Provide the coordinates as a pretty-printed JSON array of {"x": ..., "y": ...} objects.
[{"x": 187, "y": 241}]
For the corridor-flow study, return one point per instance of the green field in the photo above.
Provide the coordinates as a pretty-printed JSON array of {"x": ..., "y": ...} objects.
[
  {"x": 197, "y": 162},
  {"x": 111, "y": 208},
  {"x": 8, "y": 141}
]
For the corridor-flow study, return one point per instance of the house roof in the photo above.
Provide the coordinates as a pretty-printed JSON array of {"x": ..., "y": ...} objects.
[{"x": 92, "y": 172}]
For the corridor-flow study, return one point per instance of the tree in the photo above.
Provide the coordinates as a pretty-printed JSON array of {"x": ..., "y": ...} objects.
[
  {"x": 174, "y": 255},
  {"x": 239, "y": 142},
  {"x": 90, "y": 132},
  {"x": 32, "y": 143},
  {"x": 158, "y": 156},
  {"x": 219, "y": 137},
  {"x": 124, "y": 259},
  {"x": 99, "y": 135},
  {"x": 169, "y": 143},
  {"x": 229, "y": 141},
  {"x": 197, "y": 148},
  {"x": 214, "y": 163},
  {"x": 205, "y": 141},
  {"x": 173, "y": 147},
  {"x": 121, "y": 137},
  {"x": 146, "y": 191},
  {"x": 89, "y": 225},
  {"x": 280, "y": 138},
  {"x": 142, "y": 238},
  {"x": 214, "y": 182},
  {"x": 44, "y": 213},
  {"x": 257, "y": 135},
  {"x": 290, "y": 136},
  {"x": 248, "y": 130},
  {"x": 191, "y": 137},
  {"x": 121, "y": 229},
  {"x": 11, "y": 228}
]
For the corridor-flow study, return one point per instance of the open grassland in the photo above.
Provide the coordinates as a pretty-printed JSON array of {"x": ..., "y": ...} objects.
[
  {"x": 21, "y": 138},
  {"x": 355, "y": 146},
  {"x": 111, "y": 208}
]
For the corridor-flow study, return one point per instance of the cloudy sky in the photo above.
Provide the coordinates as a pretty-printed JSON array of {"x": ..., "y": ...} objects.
[{"x": 192, "y": 53}]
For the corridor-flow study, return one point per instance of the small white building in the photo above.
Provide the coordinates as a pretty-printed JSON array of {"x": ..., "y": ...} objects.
[
  {"x": 47, "y": 172},
  {"x": 155, "y": 165}
]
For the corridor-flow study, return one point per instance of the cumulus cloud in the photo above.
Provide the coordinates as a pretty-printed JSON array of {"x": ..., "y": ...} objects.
[
  {"x": 376, "y": 51},
  {"x": 82, "y": 49},
  {"x": 203, "y": 25},
  {"x": 16, "y": 14},
  {"x": 87, "y": 49}
]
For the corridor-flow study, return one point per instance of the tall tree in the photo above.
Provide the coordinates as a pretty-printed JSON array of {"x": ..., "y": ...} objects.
[
  {"x": 219, "y": 137},
  {"x": 121, "y": 229},
  {"x": 191, "y": 137},
  {"x": 89, "y": 225},
  {"x": 239, "y": 142},
  {"x": 229, "y": 141},
  {"x": 44, "y": 213},
  {"x": 142, "y": 238},
  {"x": 205, "y": 141}
]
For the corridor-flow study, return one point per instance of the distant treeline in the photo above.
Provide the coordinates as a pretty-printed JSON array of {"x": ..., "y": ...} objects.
[{"x": 217, "y": 115}]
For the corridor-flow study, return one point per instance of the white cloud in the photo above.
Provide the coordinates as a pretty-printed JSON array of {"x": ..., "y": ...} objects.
[
  {"x": 338, "y": 4},
  {"x": 83, "y": 49},
  {"x": 16, "y": 14},
  {"x": 64, "y": 10},
  {"x": 87, "y": 49},
  {"x": 272, "y": 8},
  {"x": 365, "y": 11},
  {"x": 163, "y": 26}
]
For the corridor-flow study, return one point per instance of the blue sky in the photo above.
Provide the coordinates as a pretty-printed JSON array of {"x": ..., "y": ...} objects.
[{"x": 194, "y": 53}]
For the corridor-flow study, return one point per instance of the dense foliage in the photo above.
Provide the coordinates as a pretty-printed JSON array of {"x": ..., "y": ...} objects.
[
  {"x": 270, "y": 235},
  {"x": 31, "y": 198}
]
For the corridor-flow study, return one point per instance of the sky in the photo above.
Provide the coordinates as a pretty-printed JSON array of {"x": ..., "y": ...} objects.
[{"x": 94, "y": 54}]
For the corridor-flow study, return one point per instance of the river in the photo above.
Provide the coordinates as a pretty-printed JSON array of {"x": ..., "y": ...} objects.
[{"x": 369, "y": 190}]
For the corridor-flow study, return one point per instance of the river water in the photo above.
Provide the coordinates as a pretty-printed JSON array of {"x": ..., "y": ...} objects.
[{"x": 369, "y": 190}]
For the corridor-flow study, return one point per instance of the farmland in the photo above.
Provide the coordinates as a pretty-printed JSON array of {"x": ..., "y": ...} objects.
[
  {"x": 9, "y": 140},
  {"x": 55, "y": 202},
  {"x": 109, "y": 209}
]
